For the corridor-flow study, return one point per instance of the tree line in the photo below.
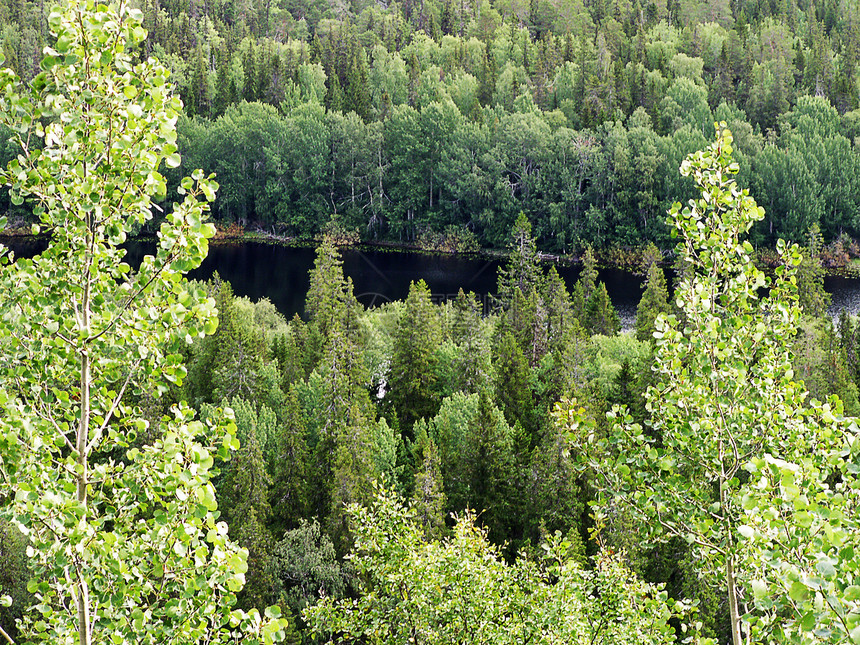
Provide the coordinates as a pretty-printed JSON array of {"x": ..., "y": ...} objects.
[
  {"x": 448, "y": 409},
  {"x": 438, "y": 122},
  {"x": 435, "y": 177},
  {"x": 362, "y": 438}
]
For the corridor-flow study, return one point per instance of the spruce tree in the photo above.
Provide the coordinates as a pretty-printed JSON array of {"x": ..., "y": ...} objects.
[
  {"x": 428, "y": 495},
  {"x": 249, "y": 68},
  {"x": 493, "y": 473},
  {"x": 810, "y": 277},
  {"x": 244, "y": 490},
  {"x": 224, "y": 90},
  {"x": 288, "y": 494},
  {"x": 601, "y": 317},
  {"x": 474, "y": 365},
  {"x": 522, "y": 270},
  {"x": 356, "y": 94},
  {"x": 585, "y": 286},
  {"x": 559, "y": 311},
  {"x": 330, "y": 303},
  {"x": 654, "y": 302},
  {"x": 512, "y": 383},
  {"x": 413, "y": 362}
]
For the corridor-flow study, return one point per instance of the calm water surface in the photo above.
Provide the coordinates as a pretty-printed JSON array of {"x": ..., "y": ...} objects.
[{"x": 280, "y": 274}]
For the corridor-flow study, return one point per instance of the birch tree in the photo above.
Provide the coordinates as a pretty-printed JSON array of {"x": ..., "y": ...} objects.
[{"x": 123, "y": 537}]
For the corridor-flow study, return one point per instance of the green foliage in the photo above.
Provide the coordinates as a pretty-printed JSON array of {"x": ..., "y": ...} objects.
[
  {"x": 608, "y": 356},
  {"x": 128, "y": 549},
  {"x": 307, "y": 568},
  {"x": 654, "y": 302},
  {"x": 428, "y": 495},
  {"x": 813, "y": 299},
  {"x": 232, "y": 361},
  {"x": 289, "y": 465},
  {"x": 330, "y": 304},
  {"x": 590, "y": 300},
  {"x": 244, "y": 492},
  {"x": 476, "y": 456},
  {"x": 14, "y": 576},
  {"x": 512, "y": 383},
  {"x": 460, "y": 590},
  {"x": 820, "y": 362},
  {"x": 572, "y": 112},
  {"x": 522, "y": 271},
  {"x": 600, "y": 315},
  {"x": 411, "y": 377},
  {"x": 469, "y": 334},
  {"x": 727, "y": 405},
  {"x": 555, "y": 501}
]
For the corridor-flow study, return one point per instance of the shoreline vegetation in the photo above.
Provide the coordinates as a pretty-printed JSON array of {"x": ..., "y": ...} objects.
[
  {"x": 183, "y": 464},
  {"x": 839, "y": 258}
]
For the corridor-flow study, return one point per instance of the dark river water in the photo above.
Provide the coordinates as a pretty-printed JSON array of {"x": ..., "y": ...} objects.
[{"x": 280, "y": 274}]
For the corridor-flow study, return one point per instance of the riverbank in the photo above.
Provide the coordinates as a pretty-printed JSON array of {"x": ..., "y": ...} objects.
[{"x": 840, "y": 258}]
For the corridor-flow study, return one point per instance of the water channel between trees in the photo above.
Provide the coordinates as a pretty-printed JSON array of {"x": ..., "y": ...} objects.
[{"x": 259, "y": 270}]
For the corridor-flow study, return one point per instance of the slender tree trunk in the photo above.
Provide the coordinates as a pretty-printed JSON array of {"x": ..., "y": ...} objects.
[
  {"x": 6, "y": 636},
  {"x": 731, "y": 581},
  {"x": 81, "y": 589}
]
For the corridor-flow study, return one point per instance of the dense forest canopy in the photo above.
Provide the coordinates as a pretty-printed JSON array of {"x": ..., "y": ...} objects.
[
  {"x": 439, "y": 122},
  {"x": 607, "y": 470}
]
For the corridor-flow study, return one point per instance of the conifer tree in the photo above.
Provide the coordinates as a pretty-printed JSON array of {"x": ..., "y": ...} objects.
[
  {"x": 601, "y": 317},
  {"x": 356, "y": 93},
  {"x": 413, "y": 362},
  {"x": 556, "y": 500},
  {"x": 309, "y": 344},
  {"x": 224, "y": 89},
  {"x": 522, "y": 270},
  {"x": 345, "y": 453},
  {"x": 289, "y": 495},
  {"x": 559, "y": 311},
  {"x": 493, "y": 475},
  {"x": 654, "y": 302},
  {"x": 250, "y": 83},
  {"x": 512, "y": 383},
  {"x": 334, "y": 94},
  {"x": 810, "y": 277},
  {"x": 244, "y": 490},
  {"x": 330, "y": 304},
  {"x": 285, "y": 350},
  {"x": 467, "y": 334},
  {"x": 585, "y": 286},
  {"x": 428, "y": 495}
]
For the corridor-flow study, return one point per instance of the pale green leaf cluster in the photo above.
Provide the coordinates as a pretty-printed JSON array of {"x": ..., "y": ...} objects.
[
  {"x": 461, "y": 590},
  {"x": 801, "y": 534},
  {"x": 759, "y": 482},
  {"x": 123, "y": 538}
]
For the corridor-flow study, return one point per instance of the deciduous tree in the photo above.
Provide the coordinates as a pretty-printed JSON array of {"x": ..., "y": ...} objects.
[
  {"x": 125, "y": 546},
  {"x": 736, "y": 463}
]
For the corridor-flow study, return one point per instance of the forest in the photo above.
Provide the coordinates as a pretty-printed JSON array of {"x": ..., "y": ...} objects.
[
  {"x": 435, "y": 123},
  {"x": 182, "y": 465}
]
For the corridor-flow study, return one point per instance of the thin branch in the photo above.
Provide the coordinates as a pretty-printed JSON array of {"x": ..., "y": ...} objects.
[
  {"x": 50, "y": 419},
  {"x": 133, "y": 297},
  {"x": 98, "y": 433},
  {"x": 6, "y": 636}
]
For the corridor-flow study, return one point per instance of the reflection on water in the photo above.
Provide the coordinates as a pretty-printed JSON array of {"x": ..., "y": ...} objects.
[
  {"x": 844, "y": 293},
  {"x": 281, "y": 274}
]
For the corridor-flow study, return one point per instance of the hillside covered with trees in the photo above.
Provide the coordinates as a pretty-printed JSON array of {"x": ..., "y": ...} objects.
[
  {"x": 418, "y": 471},
  {"x": 439, "y": 122}
]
